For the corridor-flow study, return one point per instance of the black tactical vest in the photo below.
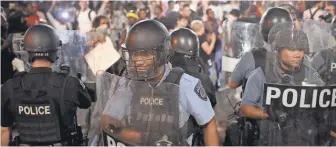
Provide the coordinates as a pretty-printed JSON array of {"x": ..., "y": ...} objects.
[
  {"x": 158, "y": 123},
  {"x": 37, "y": 111}
]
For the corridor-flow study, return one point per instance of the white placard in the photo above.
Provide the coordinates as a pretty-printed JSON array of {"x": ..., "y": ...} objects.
[{"x": 103, "y": 56}]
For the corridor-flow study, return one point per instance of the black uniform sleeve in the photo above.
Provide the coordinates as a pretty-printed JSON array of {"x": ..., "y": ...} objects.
[
  {"x": 7, "y": 119},
  {"x": 81, "y": 95}
]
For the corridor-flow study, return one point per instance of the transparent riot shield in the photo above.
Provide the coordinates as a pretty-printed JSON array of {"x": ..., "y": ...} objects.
[
  {"x": 74, "y": 47},
  {"x": 292, "y": 92},
  {"x": 136, "y": 113},
  {"x": 324, "y": 62},
  {"x": 70, "y": 56},
  {"x": 319, "y": 35},
  {"x": 227, "y": 113},
  {"x": 241, "y": 37}
]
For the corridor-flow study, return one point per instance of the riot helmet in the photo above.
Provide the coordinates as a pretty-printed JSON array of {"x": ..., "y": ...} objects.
[
  {"x": 271, "y": 17},
  {"x": 290, "y": 45},
  {"x": 185, "y": 41},
  {"x": 146, "y": 49},
  {"x": 185, "y": 45},
  {"x": 42, "y": 41}
]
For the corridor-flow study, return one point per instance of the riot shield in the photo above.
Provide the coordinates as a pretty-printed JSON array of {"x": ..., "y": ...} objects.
[
  {"x": 74, "y": 47},
  {"x": 323, "y": 44},
  {"x": 227, "y": 113},
  {"x": 319, "y": 35},
  {"x": 241, "y": 37},
  {"x": 292, "y": 92},
  {"x": 85, "y": 55},
  {"x": 324, "y": 62},
  {"x": 137, "y": 113}
]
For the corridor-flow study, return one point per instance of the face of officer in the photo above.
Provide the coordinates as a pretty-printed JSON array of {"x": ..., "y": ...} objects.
[
  {"x": 291, "y": 58},
  {"x": 143, "y": 61}
]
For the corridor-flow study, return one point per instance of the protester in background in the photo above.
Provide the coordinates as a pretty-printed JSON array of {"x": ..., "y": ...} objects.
[
  {"x": 206, "y": 48},
  {"x": 39, "y": 13},
  {"x": 315, "y": 11},
  {"x": 16, "y": 18},
  {"x": 171, "y": 20},
  {"x": 31, "y": 17},
  {"x": 227, "y": 27},
  {"x": 132, "y": 18},
  {"x": 143, "y": 14},
  {"x": 171, "y": 5},
  {"x": 211, "y": 24},
  {"x": 330, "y": 7},
  {"x": 158, "y": 14},
  {"x": 61, "y": 24},
  {"x": 6, "y": 56},
  {"x": 85, "y": 17},
  {"x": 181, "y": 22},
  {"x": 185, "y": 11},
  {"x": 100, "y": 29}
]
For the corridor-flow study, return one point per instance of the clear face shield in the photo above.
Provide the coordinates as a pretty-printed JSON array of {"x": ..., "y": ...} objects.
[
  {"x": 143, "y": 64},
  {"x": 291, "y": 45}
]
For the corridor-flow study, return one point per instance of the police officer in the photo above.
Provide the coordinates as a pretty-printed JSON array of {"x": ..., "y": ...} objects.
[
  {"x": 254, "y": 59},
  {"x": 288, "y": 68},
  {"x": 42, "y": 104},
  {"x": 325, "y": 64},
  {"x": 185, "y": 45},
  {"x": 146, "y": 53}
]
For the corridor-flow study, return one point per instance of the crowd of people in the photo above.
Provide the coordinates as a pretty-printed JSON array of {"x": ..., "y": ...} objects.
[
  {"x": 194, "y": 33},
  {"x": 114, "y": 18}
]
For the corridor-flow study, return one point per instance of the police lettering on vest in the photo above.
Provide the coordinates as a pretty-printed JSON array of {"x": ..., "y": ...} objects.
[
  {"x": 151, "y": 101},
  {"x": 34, "y": 110},
  {"x": 300, "y": 96}
]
